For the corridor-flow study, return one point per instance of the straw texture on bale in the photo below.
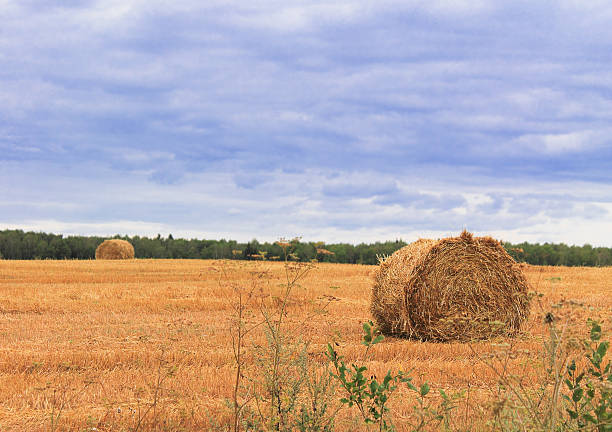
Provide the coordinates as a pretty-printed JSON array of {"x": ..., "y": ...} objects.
[
  {"x": 115, "y": 249},
  {"x": 458, "y": 288}
]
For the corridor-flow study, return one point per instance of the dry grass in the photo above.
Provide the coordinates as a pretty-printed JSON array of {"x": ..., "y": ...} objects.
[{"x": 89, "y": 340}]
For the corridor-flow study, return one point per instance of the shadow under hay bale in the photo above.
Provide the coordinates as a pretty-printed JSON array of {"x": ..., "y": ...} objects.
[
  {"x": 459, "y": 288},
  {"x": 115, "y": 249}
]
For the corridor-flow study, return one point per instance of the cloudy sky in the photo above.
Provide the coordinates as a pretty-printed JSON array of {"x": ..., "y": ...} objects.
[{"x": 339, "y": 120}]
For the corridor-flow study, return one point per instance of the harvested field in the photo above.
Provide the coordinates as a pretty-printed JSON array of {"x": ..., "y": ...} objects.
[{"x": 83, "y": 342}]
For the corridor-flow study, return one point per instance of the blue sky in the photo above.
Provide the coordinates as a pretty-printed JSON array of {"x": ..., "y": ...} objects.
[{"x": 333, "y": 120}]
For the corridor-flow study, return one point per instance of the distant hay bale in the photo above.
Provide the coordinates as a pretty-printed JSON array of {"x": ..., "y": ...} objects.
[
  {"x": 458, "y": 288},
  {"x": 115, "y": 249}
]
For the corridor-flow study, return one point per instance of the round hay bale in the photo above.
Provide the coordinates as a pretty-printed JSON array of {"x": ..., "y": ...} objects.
[
  {"x": 459, "y": 288},
  {"x": 115, "y": 249}
]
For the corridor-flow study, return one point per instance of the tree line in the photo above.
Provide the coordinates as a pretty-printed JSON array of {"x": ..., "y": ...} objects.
[{"x": 17, "y": 244}]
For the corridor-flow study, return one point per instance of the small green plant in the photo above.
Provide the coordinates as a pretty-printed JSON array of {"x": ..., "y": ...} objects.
[
  {"x": 282, "y": 357},
  {"x": 568, "y": 397},
  {"x": 239, "y": 330},
  {"x": 371, "y": 397},
  {"x": 367, "y": 394},
  {"x": 284, "y": 392},
  {"x": 590, "y": 391},
  {"x": 318, "y": 409}
]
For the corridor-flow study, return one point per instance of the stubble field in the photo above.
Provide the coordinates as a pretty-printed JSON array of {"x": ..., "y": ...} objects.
[{"x": 83, "y": 344}]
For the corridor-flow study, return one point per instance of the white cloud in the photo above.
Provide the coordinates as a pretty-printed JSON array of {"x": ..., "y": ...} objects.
[
  {"x": 554, "y": 144},
  {"x": 570, "y": 142},
  {"x": 138, "y": 156},
  {"x": 124, "y": 227}
]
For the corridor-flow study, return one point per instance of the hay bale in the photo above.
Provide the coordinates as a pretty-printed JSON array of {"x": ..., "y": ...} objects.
[
  {"x": 115, "y": 249},
  {"x": 458, "y": 288}
]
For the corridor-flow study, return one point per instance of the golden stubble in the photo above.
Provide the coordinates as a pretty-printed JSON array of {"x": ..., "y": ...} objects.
[{"x": 87, "y": 338}]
